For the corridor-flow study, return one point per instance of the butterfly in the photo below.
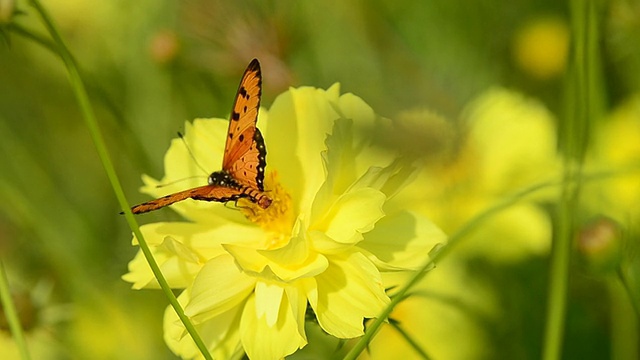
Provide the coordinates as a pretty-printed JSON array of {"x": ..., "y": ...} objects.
[{"x": 244, "y": 161}]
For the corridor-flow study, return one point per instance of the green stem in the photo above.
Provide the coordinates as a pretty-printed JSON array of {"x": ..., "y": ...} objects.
[
  {"x": 583, "y": 107},
  {"x": 91, "y": 122},
  {"x": 632, "y": 293},
  {"x": 11, "y": 314},
  {"x": 624, "y": 329},
  {"x": 21, "y": 30},
  {"x": 559, "y": 275}
]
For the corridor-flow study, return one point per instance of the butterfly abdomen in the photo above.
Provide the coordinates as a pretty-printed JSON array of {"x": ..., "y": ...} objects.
[{"x": 257, "y": 197}]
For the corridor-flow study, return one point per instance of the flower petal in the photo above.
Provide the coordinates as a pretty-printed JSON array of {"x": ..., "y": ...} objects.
[
  {"x": 298, "y": 303},
  {"x": 339, "y": 158},
  {"x": 286, "y": 264},
  {"x": 353, "y": 214},
  {"x": 262, "y": 341},
  {"x": 248, "y": 258},
  {"x": 221, "y": 334},
  {"x": 219, "y": 286},
  {"x": 349, "y": 291},
  {"x": 402, "y": 241},
  {"x": 307, "y": 114},
  {"x": 268, "y": 300},
  {"x": 364, "y": 118},
  {"x": 178, "y": 263},
  {"x": 182, "y": 248}
]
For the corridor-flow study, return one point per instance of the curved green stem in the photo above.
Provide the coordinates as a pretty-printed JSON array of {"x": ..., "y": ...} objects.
[
  {"x": 91, "y": 122},
  {"x": 11, "y": 314}
]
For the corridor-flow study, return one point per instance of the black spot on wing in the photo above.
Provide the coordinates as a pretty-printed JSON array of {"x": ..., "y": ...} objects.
[
  {"x": 243, "y": 92},
  {"x": 235, "y": 116}
]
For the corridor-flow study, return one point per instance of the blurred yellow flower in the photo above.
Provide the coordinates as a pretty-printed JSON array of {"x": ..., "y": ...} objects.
[
  {"x": 609, "y": 242},
  {"x": 541, "y": 47},
  {"x": 509, "y": 144},
  {"x": 333, "y": 227},
  {"x": 616, "y": 148}
]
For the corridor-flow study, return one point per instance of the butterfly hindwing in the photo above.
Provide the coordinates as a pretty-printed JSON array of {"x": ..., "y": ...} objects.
[
  {"x": 206, "y": 193},
  {"x": 245, "y": 152}
]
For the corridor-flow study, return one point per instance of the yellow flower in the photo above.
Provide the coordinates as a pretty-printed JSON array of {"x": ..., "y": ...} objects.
[
  {"x": 509, "y": 144},
  {"x": 541, "y": 47},
  {"x": 617, "y": 148},
  {"x": 333, "y": 226},
  {"x": 608, "y": 240}
]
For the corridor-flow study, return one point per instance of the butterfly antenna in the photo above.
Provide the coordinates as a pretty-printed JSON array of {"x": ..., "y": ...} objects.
[
  {"x": 195, "y": 160},
  {"x": 177, "y": 181}
]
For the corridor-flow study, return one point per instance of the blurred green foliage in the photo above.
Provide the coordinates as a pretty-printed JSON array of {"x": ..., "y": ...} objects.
[{"x": 150, "y": 65}]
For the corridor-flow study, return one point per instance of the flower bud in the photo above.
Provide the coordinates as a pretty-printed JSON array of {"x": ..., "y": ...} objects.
[
  {"x": 600, "y": 245},
  {"x": 164, "y": 46}
]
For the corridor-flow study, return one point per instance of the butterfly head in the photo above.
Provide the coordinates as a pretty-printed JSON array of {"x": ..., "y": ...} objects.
[{"x": 222, "y": 178}]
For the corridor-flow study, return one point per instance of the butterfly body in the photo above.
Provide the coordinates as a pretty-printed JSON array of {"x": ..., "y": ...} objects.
[
  {"x": 224, "y": 179},
  {"x": 244, "y": 161}
]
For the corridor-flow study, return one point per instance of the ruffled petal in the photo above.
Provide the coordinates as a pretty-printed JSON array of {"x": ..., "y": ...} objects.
[
  {"x": 402, "y": 241},
  {"x": 178, "y": 263},
  {"x": 308, "y": 115},
  {"x": 364, "y": 119},
  {"x": 181, "y": 249},
  {"x": 221, "y": 334},
  {"x": 286, "y": 264},
  {"x": 353, "y": 214},
  {"x": 219, "y": 286},
  {"x": 349, "y": 291},
  {"x": 262, "y": 340}
]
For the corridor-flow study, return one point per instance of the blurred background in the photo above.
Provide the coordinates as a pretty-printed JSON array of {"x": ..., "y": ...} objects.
[{"x": 478, "y": 90}]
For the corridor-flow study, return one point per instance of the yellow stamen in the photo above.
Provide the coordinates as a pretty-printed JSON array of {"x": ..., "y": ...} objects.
[{"x": 278, "y": 217}]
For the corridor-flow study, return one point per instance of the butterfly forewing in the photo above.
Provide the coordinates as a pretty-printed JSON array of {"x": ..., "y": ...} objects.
[{"x": 244, "y": 152}]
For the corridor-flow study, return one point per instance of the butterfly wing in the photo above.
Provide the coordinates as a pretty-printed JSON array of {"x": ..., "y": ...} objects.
[
  {"x": 205, "y": 193},
  {"x": 244, "y": 151}
]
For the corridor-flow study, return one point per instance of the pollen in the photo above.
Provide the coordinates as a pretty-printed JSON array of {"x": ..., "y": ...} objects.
[{"x": 278, "y": 218}]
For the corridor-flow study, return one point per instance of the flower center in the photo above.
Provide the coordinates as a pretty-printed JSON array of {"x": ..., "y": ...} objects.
[{"x": 278, "y": 218}]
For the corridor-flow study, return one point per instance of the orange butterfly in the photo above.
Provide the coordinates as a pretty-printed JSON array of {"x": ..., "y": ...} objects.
[{"x": 244, "y": 161}]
